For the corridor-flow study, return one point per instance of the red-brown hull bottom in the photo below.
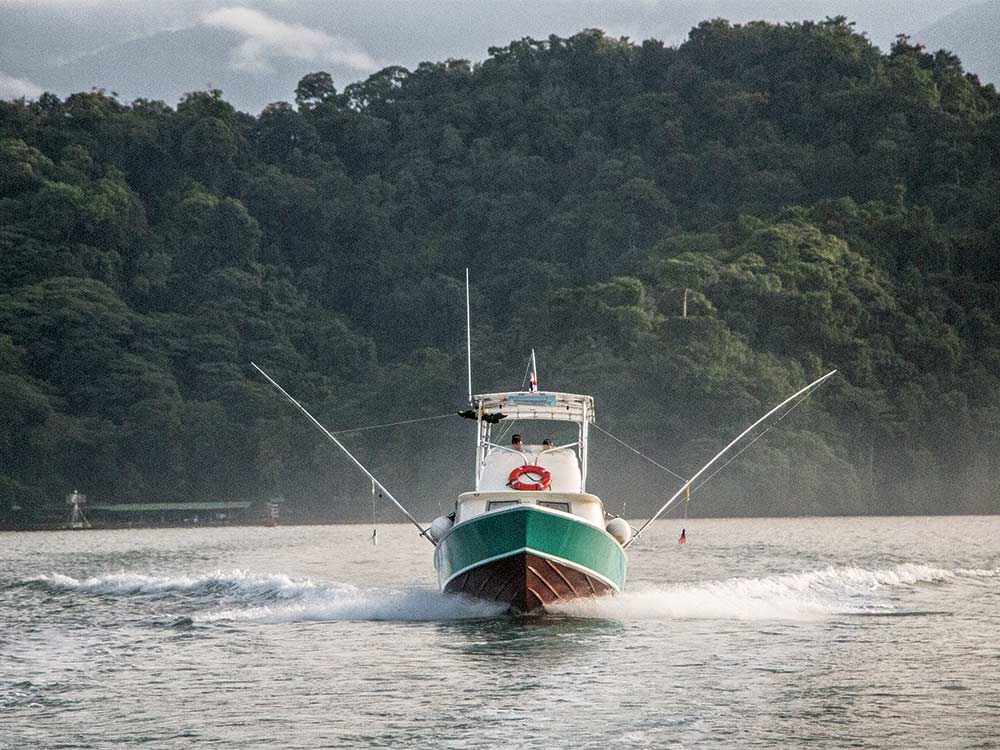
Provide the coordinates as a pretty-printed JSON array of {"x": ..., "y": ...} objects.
[{"x": 526, "y": 582}]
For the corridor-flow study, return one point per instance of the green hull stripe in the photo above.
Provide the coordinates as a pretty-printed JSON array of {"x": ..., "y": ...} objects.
[{"x": 549, "y": 534}]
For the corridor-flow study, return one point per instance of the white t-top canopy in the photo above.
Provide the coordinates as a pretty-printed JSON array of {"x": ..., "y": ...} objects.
[{"x": 558, "y": 407}]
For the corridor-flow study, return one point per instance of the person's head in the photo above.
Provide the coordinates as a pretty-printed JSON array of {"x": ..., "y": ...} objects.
[
  {"x": 516, "y": 442},
  {"x": 546, "y": 443}
]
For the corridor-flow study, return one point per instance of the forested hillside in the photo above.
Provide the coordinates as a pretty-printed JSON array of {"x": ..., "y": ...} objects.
[{"x": 826, "y": 205}]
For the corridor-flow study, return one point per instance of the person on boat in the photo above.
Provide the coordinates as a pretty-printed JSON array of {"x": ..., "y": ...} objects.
[
  {"x": 516, "y": 442},
  {"x": 546, "y": 444},
  {"x": 683, "y": 539}
]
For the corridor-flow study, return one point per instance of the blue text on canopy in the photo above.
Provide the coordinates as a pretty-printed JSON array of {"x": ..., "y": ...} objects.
[{"x": 534, "y": 399}]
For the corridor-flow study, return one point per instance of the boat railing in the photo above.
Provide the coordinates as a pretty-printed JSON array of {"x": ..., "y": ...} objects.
[
  {"x": 554, "y": 448},
  {"x": 524, "y": 453},
  {"x": 495, "y": 446}
]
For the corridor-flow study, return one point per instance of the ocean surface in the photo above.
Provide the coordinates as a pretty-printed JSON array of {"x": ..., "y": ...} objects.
[{"x": 843, "y": 632}]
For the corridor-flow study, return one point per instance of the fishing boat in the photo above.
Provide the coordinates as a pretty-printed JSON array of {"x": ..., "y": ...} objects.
[{"x": 530, "y": 534}]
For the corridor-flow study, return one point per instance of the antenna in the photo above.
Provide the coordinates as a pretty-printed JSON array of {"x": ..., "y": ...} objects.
[{"x": 468, "y": 333}]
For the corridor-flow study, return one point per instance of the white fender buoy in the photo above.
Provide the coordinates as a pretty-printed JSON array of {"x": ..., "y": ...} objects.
[
  {"x": 620, "y": 529},
  {"x": 441, "y": 526}
]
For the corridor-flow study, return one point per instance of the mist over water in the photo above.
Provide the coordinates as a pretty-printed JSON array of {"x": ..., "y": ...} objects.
[{"x": 877, "y": 632}]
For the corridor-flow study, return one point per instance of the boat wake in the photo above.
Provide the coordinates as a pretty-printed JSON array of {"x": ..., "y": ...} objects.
[
  {"x": 240, "y": 596},
  {"x": 243, "y": 596},
  {"x": 809, "y": 595}
]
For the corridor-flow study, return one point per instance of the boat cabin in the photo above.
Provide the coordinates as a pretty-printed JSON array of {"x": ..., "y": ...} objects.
[
  {"x": 560, "y": 462},
  {"x": 549, "y": 477}
]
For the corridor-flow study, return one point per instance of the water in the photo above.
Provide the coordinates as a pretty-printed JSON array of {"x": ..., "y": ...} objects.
[{"x": 881, "y": 633}]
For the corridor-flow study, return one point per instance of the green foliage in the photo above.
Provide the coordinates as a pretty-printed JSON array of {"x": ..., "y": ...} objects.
[
  {"x": 809, "y": 201},
  {"x": 314, "y": 89},
  {"x": 208, "y": 232}
]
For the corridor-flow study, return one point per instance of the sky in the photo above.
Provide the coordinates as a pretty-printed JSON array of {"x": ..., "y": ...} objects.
[{"x": 257, "y": 50}]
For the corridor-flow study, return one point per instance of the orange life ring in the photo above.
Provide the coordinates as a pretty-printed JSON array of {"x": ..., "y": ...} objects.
[{"x": 544, "y": 478}]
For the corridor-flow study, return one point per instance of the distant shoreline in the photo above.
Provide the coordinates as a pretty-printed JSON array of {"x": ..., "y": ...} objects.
[{"x": 633, "y": 521}]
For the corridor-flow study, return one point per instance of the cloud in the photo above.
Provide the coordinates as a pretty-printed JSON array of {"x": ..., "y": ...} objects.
[
  {"x": 15, "y": 88},
  {"x": 266, "y": 39}
]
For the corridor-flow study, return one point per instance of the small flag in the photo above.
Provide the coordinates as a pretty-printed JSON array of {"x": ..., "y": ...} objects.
[{"x": 683, "y": 539}]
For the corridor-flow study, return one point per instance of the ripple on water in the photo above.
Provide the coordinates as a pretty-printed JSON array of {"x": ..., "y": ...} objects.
[{"x": 241, "y": 639}]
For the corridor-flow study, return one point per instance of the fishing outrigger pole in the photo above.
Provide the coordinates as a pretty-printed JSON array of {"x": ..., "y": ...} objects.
[
  {"x": 686, "y": 487},
  {"x": 333, "y": 439}
]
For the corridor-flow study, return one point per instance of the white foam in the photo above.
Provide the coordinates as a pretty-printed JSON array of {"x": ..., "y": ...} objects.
[
  {"x": 236, "y": 582},
  {"x": 278, "y": 598},
  {"x": 797, "y": 596},
  {"x": 243, "y": 596},
  {"x": 978, "y": 572},
  {"x": 404, "y": 605}
]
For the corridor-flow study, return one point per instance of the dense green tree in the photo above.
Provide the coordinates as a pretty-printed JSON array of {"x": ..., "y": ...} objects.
[{"x": 314, "y": 89}]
